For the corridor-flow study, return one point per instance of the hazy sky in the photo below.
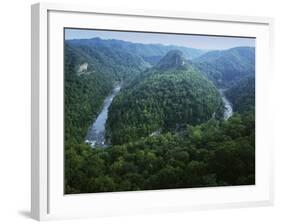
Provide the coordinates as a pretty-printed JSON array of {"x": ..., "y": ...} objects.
[{"x": 193, "y": 41}]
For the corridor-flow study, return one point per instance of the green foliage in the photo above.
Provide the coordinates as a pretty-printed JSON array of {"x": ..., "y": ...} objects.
[{"x": 215, "y": 157}]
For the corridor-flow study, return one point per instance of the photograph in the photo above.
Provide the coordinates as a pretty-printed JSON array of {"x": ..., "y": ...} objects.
[{"x": 157, "y": 110}]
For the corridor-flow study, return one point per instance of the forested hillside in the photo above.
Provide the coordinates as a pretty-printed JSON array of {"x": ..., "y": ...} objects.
[
  {"x": 242, "y": 95},
  {"x": 90, "y": 71},
  {"x": 170, "y": 97},
  {"x": 83, "y": 93},
  {"x": 226, "y": 67},
  {"x": 116, "y": 61}
]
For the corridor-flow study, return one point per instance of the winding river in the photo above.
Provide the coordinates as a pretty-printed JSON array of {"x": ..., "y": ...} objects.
[
  {"x": 96, "y": 133},
  {"x": 228, "y": 110}
]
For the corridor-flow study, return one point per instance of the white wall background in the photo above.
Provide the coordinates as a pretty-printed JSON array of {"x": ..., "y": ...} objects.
[{"x": 15, "y": 110}]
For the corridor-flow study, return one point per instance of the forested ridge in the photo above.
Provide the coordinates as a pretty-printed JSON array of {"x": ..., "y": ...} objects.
[
  {"x": 151, "y": 53},
  {"x": 170, "y": 96},
  {"x": 227, "y": 67},
  {"x": 165, "y": 127}
]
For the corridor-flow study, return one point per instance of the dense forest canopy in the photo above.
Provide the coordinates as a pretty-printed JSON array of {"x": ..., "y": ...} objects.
[
  {"x": 211, "y": 154},
  {"x": 165, "y": 128},
  {"x": 172, "y": 95}
]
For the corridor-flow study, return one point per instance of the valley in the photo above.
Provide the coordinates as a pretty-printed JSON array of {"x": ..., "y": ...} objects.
[{"x": 152, "y": 116}]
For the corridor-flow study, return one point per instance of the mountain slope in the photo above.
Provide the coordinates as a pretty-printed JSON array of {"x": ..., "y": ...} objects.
[
  {"x": 165, "y": 99},
  {"x": 122, "y": 64},
  {"x": 242, "y": 95},
  {"x": 90, "y": 71},
  {"x": 84, "y": 92},
  {"x": 227, "y": 67}
]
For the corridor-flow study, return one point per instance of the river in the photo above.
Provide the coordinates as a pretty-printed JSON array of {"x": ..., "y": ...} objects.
[
  {"x": 96, "y": 133},
  {"x": 228, "y": 110}
]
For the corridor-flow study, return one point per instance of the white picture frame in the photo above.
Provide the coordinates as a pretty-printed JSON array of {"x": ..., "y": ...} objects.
[{"x": 47, "y": 198}]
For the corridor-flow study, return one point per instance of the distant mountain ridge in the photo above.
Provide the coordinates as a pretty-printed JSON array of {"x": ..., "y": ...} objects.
[
  {"x": 223, "y": 67},
  {"x": 150, "y": 53},
  {"x": 227, "y": 67}
]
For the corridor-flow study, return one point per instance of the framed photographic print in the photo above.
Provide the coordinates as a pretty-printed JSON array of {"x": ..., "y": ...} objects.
[{"x": 148, "y": 111}]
